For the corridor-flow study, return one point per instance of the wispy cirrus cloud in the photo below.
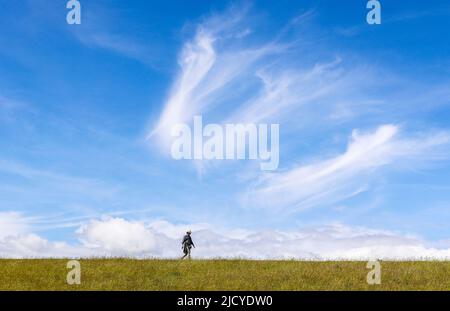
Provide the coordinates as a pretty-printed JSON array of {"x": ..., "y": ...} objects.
[
  {"x": 213, "y": 63},
  {"x": 332, "y": 180},
  {"x": 229, "y": 80}
]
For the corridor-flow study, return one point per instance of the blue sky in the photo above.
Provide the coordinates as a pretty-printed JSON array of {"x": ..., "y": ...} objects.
[{"x": 363, "y": 110}]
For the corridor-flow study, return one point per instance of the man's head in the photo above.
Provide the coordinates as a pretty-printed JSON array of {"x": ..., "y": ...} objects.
[{"x": 188, "y": 232}]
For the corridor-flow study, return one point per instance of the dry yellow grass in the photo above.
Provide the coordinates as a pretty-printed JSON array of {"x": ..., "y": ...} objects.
[{"x": 128, "y": 274}]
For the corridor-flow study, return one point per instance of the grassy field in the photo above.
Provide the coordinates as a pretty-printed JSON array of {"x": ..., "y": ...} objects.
[{"x": 127, "y": 274}]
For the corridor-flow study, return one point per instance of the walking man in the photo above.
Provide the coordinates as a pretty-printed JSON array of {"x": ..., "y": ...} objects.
[{"x": 187, "y": 244}]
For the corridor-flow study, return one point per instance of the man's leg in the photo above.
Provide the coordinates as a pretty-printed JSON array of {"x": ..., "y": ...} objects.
[{"x": 185, "y": 252}]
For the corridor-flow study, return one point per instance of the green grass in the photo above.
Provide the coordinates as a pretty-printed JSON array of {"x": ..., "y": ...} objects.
[{"x": 128, "y": 274}]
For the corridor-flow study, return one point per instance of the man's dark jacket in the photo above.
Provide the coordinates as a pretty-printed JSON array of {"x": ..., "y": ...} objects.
[{"x": 188, "y": 240}]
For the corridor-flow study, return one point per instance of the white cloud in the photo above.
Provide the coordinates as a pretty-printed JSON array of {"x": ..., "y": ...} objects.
[
  {"x": 212, "y": 63},
  {"x": 34, "y": 246},
  {"x": 196, "y": 60},
  {"x": 334, "y": 241},
  {"x": 345, "y": 175},
  {"x": 229, "y": 80},
  {"x": 12, "y": 222},
  {"x": 118, "y": 237},
  {"x": 18, "y": 241},
  {"x": 285, "y": 91},
  {"x": 161, "y": 239}
]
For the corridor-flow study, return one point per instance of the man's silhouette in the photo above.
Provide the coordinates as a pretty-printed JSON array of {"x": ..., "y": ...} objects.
[{"x": 187, "y": 245}]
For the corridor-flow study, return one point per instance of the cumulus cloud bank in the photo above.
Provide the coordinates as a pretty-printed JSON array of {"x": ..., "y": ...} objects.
[{"x": 116, "y": 237}]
